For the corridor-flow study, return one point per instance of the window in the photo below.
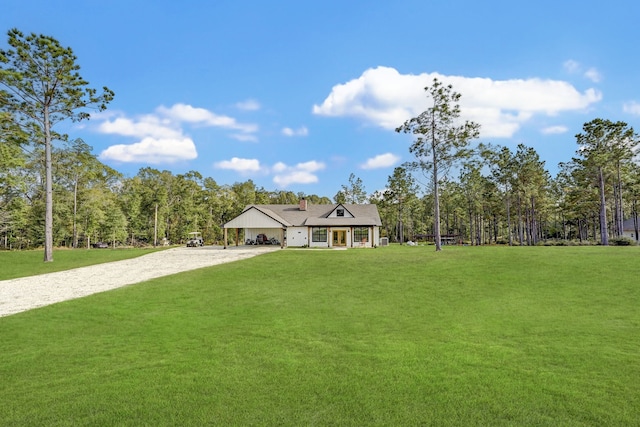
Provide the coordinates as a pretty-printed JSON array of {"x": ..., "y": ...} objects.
[
  {"x": 319, "y": 234},
  {"x": 339, "y": 212},
  {"x": 361, "y": 234}
]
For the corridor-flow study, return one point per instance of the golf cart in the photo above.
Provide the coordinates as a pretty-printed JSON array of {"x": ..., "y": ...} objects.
[
  {"x": 195, "y": 239},
  {"x": 262, "y": 239}
]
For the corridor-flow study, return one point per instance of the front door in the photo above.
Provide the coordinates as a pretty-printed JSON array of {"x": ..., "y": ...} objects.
[{"x": 339, "y": 238}]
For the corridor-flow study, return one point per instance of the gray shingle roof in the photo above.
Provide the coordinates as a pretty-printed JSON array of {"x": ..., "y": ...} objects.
[{"x": 317, "y": 215}]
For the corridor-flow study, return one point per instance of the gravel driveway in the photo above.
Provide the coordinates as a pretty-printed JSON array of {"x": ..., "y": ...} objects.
[{"x": 17, "y": 295}]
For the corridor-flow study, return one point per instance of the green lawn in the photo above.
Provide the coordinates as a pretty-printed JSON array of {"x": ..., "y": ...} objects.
[
  {"x": 15, "y": 264},
  {"x": 484, "y": 336}
]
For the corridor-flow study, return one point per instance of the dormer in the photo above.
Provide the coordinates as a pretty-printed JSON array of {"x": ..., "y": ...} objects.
[{"x": 340, "y": 212}]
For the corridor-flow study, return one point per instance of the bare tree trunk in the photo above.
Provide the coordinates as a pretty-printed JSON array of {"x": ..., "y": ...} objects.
[
  {"x": 635, "y": 219},
  {"x": 619, "y": 205},
  {"x": 508, "y": 201},
  {"x": 436, "y": 200},
  {"x": 48, "y": 216},
  {"x": 496, "y": 231},
  {"x": 471, "y": 232},
  {"x": 527, "y": 225},
  {"x": 534, "y": 224},
  {"x": 75, "y": 214},
  {"x": 604, "y": 235},
  {"x": 520, "y": 231}
]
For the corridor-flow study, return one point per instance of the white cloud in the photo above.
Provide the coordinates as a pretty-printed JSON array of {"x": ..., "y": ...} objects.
[
  {"x": 244, "y": 137},
  {"x": 593, "y": 75},
  {"x": 283, "y": 174},
  {"x": 381, "y": 161},
  {"x": 145, "y": 126},
  {"x": 248, "y": 105},
  {"x": 384, "y": 97},
  {"x": 302, "y": 173},
  {"x": 574, "y": 67},
  {"x": 295, "y": 177},
  {"x": 302, "y": 131},
  {"x": 554, "y": 130},
  {"x": 239, "y": 165},
  {"x": 160, "y": 133},
  {"x": 152, "y": 150},
  {"x": 189, "y": 114},
  {"x": 632, "y": 107}
]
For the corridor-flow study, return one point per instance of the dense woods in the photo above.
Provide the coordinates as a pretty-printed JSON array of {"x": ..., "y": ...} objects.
[
  {"x": 93, "y": 202},
  {"x": 504, "y": 197},
  {"x": 499, "y": 196}
]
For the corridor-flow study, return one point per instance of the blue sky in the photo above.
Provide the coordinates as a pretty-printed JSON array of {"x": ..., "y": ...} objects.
[{"x": 297, "y": 95}]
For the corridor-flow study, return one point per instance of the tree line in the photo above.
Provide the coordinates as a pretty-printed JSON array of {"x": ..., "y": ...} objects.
[
  {"x": 501, "y": 196},
  {"x": 62, "y": 195},
  {"x": 93, "y": 202}
]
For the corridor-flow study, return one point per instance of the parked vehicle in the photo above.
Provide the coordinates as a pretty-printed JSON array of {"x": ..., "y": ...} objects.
[
  {"x": 195, "y": 239},
  {"x": 262, "y": 239},
  {"x": 101, "y": 245}
]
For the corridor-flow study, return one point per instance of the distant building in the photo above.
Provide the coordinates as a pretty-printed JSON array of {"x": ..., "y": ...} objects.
[
  {"x": 334, "y": 225},
  {"x": 630, "y": 228}
]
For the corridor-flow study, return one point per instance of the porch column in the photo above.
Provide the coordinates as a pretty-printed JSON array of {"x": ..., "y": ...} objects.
[
  {"x": 281, "y": 238},
  {"x": 224, "y": 241}
]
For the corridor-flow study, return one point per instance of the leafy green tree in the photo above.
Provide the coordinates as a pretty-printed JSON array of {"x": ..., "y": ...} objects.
[
  {"x": 401, "y": 192},
  {"x": 353, "y": 193},
  {"x": 114, "y": 226},
  {"x": 155, "y": 190},
  {"x": 501, "y": 163},
  {"x": 439, "y": 139},
  {"x": 473, "y": 186},
  {"x": 315, "y": 199},
  {"x": 633, "y": 192},
  {"x": 578, "y": 200},
  {"x": 76, "y": 170},
  {"x": 531, "y": 185},
  {"x": 453, "y": 209},
  {"x": 43, "y": 88},
  {"x": 12, "y": 161},
  {"x": 189, "y": 211},
  {"x": 603, "y": 146},
  {"x": 12, "y": 138}
]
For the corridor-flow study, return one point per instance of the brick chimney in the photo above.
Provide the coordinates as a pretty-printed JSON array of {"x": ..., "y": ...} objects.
[{"x": 303, "y": 204}]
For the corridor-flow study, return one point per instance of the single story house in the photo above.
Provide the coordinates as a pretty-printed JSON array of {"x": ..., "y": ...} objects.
[{"x": 307, "y": 225}]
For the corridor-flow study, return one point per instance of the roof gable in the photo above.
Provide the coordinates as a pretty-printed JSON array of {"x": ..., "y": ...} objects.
[
  {"x": 257, "y": 217},
  {"x": 317, "y": 215},
  {"x": 340, "y": 212}
]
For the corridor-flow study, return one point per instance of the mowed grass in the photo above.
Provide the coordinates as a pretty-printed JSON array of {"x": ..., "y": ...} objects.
[
  {"x": 542, "y": 336},
  {"x": 15, "y": 264}
]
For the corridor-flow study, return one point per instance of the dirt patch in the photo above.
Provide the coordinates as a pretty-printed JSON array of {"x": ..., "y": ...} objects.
[{"x": 26, "y": 293}]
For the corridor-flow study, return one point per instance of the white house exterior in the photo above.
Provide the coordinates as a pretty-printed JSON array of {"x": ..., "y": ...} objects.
[{"x": 306, "y": 225}]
